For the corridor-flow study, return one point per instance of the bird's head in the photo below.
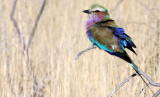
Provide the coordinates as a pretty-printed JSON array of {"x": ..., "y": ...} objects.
[{"x": 97, "y": 11}]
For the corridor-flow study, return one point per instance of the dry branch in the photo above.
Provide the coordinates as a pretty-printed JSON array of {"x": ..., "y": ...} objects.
[
  {"x": 15, "y": 23},
  {"x": 92, "y": 47},
  {"x": 142, "y": 89},
  {"x": 8, "y": 68},
  {"x": 26, "y": 46},
  {"x": 9, "y": 78},
  {"x": 35, "y": 86},
  {"x": 36, "y": 23},
  {"x": 150, "y": 82},
  {"x": 133, "y": 75},
  {"x": 156, "y": 94},
  {"x": 148, "y": 78}
]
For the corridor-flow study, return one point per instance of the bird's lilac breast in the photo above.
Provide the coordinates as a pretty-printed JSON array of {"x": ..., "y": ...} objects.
[
  {"x": 89, "y": 23},
  {"x": 93, "y": 20}
]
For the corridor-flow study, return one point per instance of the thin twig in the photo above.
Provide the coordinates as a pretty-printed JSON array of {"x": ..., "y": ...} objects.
[
  {"x": 35, "y": 86},
  {"x": 156, "y": 94},
  {"x": 133, "y": 75},
  {"x": 146, "y": 83},
  {"x": 36, "y": 23},
  {"x": 142, "y": 89},
  {"x": 8, "y": 68},
  {"x": 15, "y": 24},
  {"x": 9, "y": 79},
  {"x": 79, "y": 54}
]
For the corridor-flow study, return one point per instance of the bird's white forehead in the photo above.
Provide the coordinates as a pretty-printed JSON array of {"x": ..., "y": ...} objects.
[{"x": 98, "y": 8}]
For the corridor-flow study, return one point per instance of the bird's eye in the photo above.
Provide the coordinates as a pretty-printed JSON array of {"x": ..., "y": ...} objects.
[{"x": 96, "y": 11}]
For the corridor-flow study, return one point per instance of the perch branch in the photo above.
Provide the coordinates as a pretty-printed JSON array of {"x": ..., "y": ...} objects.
[
  {"x": 150, "y": 82},
  {"x": 133, "y": 75},
  {"x": 149, "y": 79},
  {"x": 79, "y": 54}
]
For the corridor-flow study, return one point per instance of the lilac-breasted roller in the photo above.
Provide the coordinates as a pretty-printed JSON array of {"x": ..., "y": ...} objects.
[{"x": 103, "y": 32}]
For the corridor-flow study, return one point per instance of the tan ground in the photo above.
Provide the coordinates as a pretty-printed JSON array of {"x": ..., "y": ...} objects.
[{"x": 59, "y": 37}]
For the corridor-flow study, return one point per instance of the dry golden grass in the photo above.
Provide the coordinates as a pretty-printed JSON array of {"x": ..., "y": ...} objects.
[{"x": 59, "y": 37}]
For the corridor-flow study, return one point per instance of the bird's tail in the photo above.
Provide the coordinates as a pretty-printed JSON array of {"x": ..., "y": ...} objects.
[{"x": 137, "y": 71}]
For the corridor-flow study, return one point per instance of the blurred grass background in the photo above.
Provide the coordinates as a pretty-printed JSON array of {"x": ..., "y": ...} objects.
[{"x": 59, "y": 37}]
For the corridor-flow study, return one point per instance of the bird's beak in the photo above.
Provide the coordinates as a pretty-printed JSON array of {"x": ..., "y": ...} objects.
[{"x": 87, "y": 11}]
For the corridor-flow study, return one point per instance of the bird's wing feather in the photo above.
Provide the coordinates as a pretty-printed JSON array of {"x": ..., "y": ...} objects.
[
  {"x": 123, "y": 39},
  {"x": 105, "y": 39}
]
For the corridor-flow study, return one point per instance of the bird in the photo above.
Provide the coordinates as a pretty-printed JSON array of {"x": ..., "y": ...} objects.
[{"x": 103, "y": 32}]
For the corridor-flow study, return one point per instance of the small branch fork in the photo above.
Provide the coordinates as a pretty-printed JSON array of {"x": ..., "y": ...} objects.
[
  {"x": 150, "y": 82},
  {"x": 26, "y": 46},
  {"x": 142, "y": 89}
]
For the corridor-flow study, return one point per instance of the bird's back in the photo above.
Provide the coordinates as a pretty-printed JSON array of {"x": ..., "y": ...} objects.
[{"x": 104, "y": 38}]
